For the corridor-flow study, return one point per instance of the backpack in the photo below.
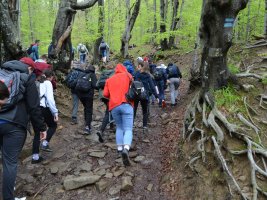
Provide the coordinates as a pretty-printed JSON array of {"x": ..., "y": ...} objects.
[
  {"x": 71, "y": 79},
  {"x": 14, "y": 81},
  {"x": 158, "y": 74},
  {"x": 37, "y": 83},
  {"x": 30, "y": 50},
  {"x": 82, "y": 49},
  {"x": 103, "y": 77},
  {"x": 136, "y": 91},
  {"x": 172, "y": 70},
  {"x": 84, "y": 83},
  {"x": 103, "y": 46}
]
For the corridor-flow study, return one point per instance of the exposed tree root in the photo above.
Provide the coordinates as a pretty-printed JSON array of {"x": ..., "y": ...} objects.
[{"x": 214, "y": 119}]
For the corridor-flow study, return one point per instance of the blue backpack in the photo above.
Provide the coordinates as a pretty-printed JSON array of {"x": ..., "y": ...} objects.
[
  {"x": 71, "y": 79},
  {"x": 158, "y": 74},
  {"x": 172, "y": 70}
]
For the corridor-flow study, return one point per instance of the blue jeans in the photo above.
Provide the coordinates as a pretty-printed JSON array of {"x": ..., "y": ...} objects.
[
  {"x": 160, "y": 85},
  {"x": 82, "y": 57},
  {"x": 75, "y": 105},
  {"x": 123, "y": 116},
  {"x": 174, "y": 85}
]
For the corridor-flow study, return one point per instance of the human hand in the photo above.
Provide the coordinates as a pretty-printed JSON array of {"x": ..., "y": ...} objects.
[
  {"x": 56, "y": 118},
  {"x": 157, "y": 100},
  {"x": 43, "y": 135}
]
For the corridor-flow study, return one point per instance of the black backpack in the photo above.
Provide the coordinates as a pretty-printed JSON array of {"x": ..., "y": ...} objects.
[
  {"x": 84, "y": 83},
  {"x": 158, "y": 74},
  {"x": 103, "y": 77},
  {"x": 172, "y": 70},
  {"x": 136, "y": 91},
  {"x": 29, "y": 50},
  {"x": 71, "y": 79},
  {"x": 103, "y": 46}
]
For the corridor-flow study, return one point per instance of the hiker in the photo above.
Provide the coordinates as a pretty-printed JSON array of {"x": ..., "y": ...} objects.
[
  {"x": 103, "y": 51},
  {"x": 14, "y": 119},
  {"x": 71, "y": 80},
  {"x": 49, "y": 111},
  {"x": 82, "y": 52},
  {"x": 174, "y": 78},
  {"x": 100, "y": 85},
  {"x": 33, "y": 50},
  {"x": 160, "y": 77},
  {"x": 122, "y": 111},
  {"x": 4, "y": 94},
  {"x": 143, "y": 75},
  {"x": 85, "y": 86},
  {"x": 129, "y": 66}
]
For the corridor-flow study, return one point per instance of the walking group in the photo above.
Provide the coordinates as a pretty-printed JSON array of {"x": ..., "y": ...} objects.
[{"x": 27, "y": 95}]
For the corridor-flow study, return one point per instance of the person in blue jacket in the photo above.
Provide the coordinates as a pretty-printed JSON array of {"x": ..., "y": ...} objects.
[{"x": 129, "y": 66}]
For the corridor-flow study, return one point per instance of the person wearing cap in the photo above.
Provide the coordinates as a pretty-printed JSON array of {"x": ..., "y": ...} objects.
[{"x": 13, "y": 123}]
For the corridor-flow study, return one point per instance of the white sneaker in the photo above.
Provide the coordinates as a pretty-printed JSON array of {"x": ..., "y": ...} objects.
[{"x": 23, "y": 198}]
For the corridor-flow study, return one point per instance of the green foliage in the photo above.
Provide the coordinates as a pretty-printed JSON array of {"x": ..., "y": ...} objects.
[
  {"x": 233, "y": 69},
  {"x": 264, "y": 81}
]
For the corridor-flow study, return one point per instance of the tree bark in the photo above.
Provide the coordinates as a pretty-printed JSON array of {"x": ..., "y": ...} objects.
[
  {"x": 216, "y": 31},
  {"x": 248, "y": 22},
  {"x": 100, "y": 31},
  {"x": 155, "y": 27},
  {"x": 11, "y": 46},
  {"x": 175, "y": 20},
  {"x": 265, "y": 21},
  {"x": 163, "y": 15},
  {"x": 130, "y": 21},
  {"x": 30, "y": 19},
  {"x": 61, "y": 39}
]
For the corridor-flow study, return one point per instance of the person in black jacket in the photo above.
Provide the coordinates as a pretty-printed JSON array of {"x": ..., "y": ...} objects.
[
  {"x": 87, "y": 97},
  {"x": 13, "y": 124},
  {"x": 144, "y": 76}
]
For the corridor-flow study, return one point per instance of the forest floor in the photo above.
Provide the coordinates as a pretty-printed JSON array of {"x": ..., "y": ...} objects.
[{"x": 159, "y": 159}]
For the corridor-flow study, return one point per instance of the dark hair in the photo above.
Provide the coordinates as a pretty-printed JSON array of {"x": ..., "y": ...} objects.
[
  {"x": 44, "y": 57},
  {"x": 46, "y": 74},
  {"x": 4, "y": 92},
  {"x": 36, "y": 41}
]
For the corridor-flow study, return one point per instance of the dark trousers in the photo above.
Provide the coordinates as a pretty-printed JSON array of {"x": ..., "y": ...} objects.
[
  {"x": 106, "y": 119},
  {"x": 88, "y": 109},
  {"x": 12, "y": 139},
  {"x": 52, "y": 127},
  {"x": 144, "y": 105}
]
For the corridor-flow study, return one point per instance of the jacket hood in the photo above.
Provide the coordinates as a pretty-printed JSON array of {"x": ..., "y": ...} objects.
[
  {"x": 127, "y": 62},
  {"x": 120, "y": 69},
  {"x": 15, "y": 65}
]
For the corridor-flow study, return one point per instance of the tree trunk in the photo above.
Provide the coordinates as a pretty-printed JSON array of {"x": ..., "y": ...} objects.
[
  {"x": 248, "y": 22},
  {"x": 216, "y": 29},
  {"x": 180, "y": 15},
  {"x": 61, "y": 39},
  {"x": 163, "y": 42},
  {"x": 175, "y": 20},
  {"x": 265, "y": 21},
  {"x": 100, "y": 31},
  {"x": 30, "y": 19},
  {"x": 154, "y": 31},
  {"x": 11, "y": 46},
  {"x": 131, "y": 18}
]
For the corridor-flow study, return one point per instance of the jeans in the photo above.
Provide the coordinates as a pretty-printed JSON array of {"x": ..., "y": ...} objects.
[
  {"x": 75, "y": 105},
  {"x": 52, "y": 127},
  {"x": 144, "y": 105},
  {"x": 82, "y": 57},
  {"x": 160, "y": 85},
  {"x": 174, "y": 85},
  {"x": 88, "y": 110},
  {"x": 12, "y": 139},
  {"x": 123, "y": 116}
]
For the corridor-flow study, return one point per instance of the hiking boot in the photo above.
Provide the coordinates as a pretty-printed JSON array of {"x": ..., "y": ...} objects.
[
  {"x": 87, "y": 130},
  {"x": 37, "y": 161},
  {"x": 74, "y": 121},
  {"x": 125, "y": 157},
  {"x": 100, "y": 137},
  {"x": 46, "y": 148}
]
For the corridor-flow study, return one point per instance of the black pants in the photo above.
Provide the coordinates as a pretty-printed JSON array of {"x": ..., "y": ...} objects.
[
  {"x": 144, "y": 105},
  {"x": 52, "y": 127},
  {"x": 106, "y": 119},
  {"x": 12, "y": 139},
  {"x": 88, "y": 109}
]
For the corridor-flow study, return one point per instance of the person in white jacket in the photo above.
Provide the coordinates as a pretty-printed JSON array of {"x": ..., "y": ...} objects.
[{"x": 49, "y": 111}]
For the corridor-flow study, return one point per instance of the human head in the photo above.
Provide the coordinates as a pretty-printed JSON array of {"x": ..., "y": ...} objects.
[
  {"x": 37, "y": 42},
  {"x": 48, "y": 73},
  {"x": 44, "y": 57},
  {"x": 144, "y": 67},
  {"x": 28, "y": 61},
  {"x": 139, "y": 59}
]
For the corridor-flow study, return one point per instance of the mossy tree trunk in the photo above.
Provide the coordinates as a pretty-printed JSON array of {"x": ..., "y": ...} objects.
[
  {"x": 163, "y": 17},
  {"x": 175, "y": 19},
  {"x": 265, "y": 21}
]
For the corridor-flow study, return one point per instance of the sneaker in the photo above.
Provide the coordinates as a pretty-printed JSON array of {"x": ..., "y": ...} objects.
[
  {"x": 125, "y": 157},
  {"x": 87, "y": 130},
  {"x": 74, "y": 121},
  {"x": 100, "y": 137},
  {"x": 46, "y": 148},
  {"x": 37, "y": 161}
]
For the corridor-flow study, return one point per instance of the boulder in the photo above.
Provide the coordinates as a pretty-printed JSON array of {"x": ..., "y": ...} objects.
[
  {"x": 72, "y": 182},
  {"x": 126, "y": 183}
]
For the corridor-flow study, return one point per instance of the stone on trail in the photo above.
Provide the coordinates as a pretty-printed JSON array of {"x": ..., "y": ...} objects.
[
  {"x": 126, "y": 183},
  {"x": 114, "y": 190},
  {"x": 39, "y": 172},
  {"x": 85, "y": 167},
  {"x": 119, "y": 172},
  {"x": 139, "y": 158},
  {"x": 108, "y": 175},
  {"x": 146, "y": 141},
  {"x": 71, "y": 182},
  {"x": 54, "y": 170},
  {"x": 98, "y": 154},
  {"x": 111, "y": 145},
  {"x": 101, "y": 162},
  {"x": 133, "y": 154},
  {"x": 101, "y": 185},
  {"x": 164, "y": 116},
  {"x": 149, "y": 187}
]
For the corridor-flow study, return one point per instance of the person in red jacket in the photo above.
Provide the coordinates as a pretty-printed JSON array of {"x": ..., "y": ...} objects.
[{"x": 122, "y": 111}]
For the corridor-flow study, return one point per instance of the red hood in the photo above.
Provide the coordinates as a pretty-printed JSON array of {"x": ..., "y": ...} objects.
[
  {"x": 39, "y": 67},
  {"x": 120, "y": 69}
]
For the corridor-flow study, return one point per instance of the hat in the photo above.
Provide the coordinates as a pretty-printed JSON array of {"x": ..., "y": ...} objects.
[
  {"x": 139, "y": 59},
  {"x": 27, "y": 61}
]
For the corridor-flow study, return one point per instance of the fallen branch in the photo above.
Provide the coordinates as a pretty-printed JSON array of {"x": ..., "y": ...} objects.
[{"x": 255, "y": 46}]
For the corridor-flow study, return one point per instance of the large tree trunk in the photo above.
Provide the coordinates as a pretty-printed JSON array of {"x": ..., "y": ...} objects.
[
  {"x": 100, "y": 31},
  {"x": 216, "y": 31},
  {"x": 10, "y": 43},
  {"x": 131, "y": 18},
  {"x": 30, "y": 18},
  {"x": 163, "y": 15},
  {"x": 265, "y": 21},
  {"x": 61, "y": 39},
  {"x": 175, "y": 20}
]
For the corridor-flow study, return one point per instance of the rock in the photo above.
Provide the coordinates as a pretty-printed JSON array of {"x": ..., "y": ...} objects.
[
  {"x": 101, "y": 172},
  {"x": 59, "y": 128},
  {"x": 152, "y": 125},
  {"x": 26, "y": 160},
  {"x": 133, "y": 154},
  {"x": 114, "y": 190},
  {"x": 139, "y": 158},
  {"x": 164, "y": 116},
  {"x": 147, "y": 161},
  {"x": 119, "y": 160},
  {"x": 62, "y": 166},
  {"x": 29, "y": 179},
  {"x": 149, "y": 187},
  {"x": 248, "y": 87},
  {"x": 101, "y": 185},
  {"x": 119, "y": 172},
  {"x": 108, "y": 175},
  {"x": 111, "y": 145},
  {"x": 126, "y": 183},
  {"x": 59, "y": 155},
  {"x": 39, "y": 172},
  {"x": 146, "y": 141},
  {"x": 85, "y": 167},
  {"x": 101, "y": 162},
  {"x": 98, "y": 154},
  {"x": 129, "y": 174},
  {"x": 77, "y": 136},
  {"x": 53, "y": 170},
  {"x": 166, "y": 121},
  {"x": 115, "y": 198},
  {"x": 71, "y": 182},
  {"x": 29, "y": 190},
  {"x": 241, "y": 178}
]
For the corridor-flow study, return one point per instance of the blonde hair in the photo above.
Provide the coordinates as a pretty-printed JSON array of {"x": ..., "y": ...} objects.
[{"x": 145, "y": 67}]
